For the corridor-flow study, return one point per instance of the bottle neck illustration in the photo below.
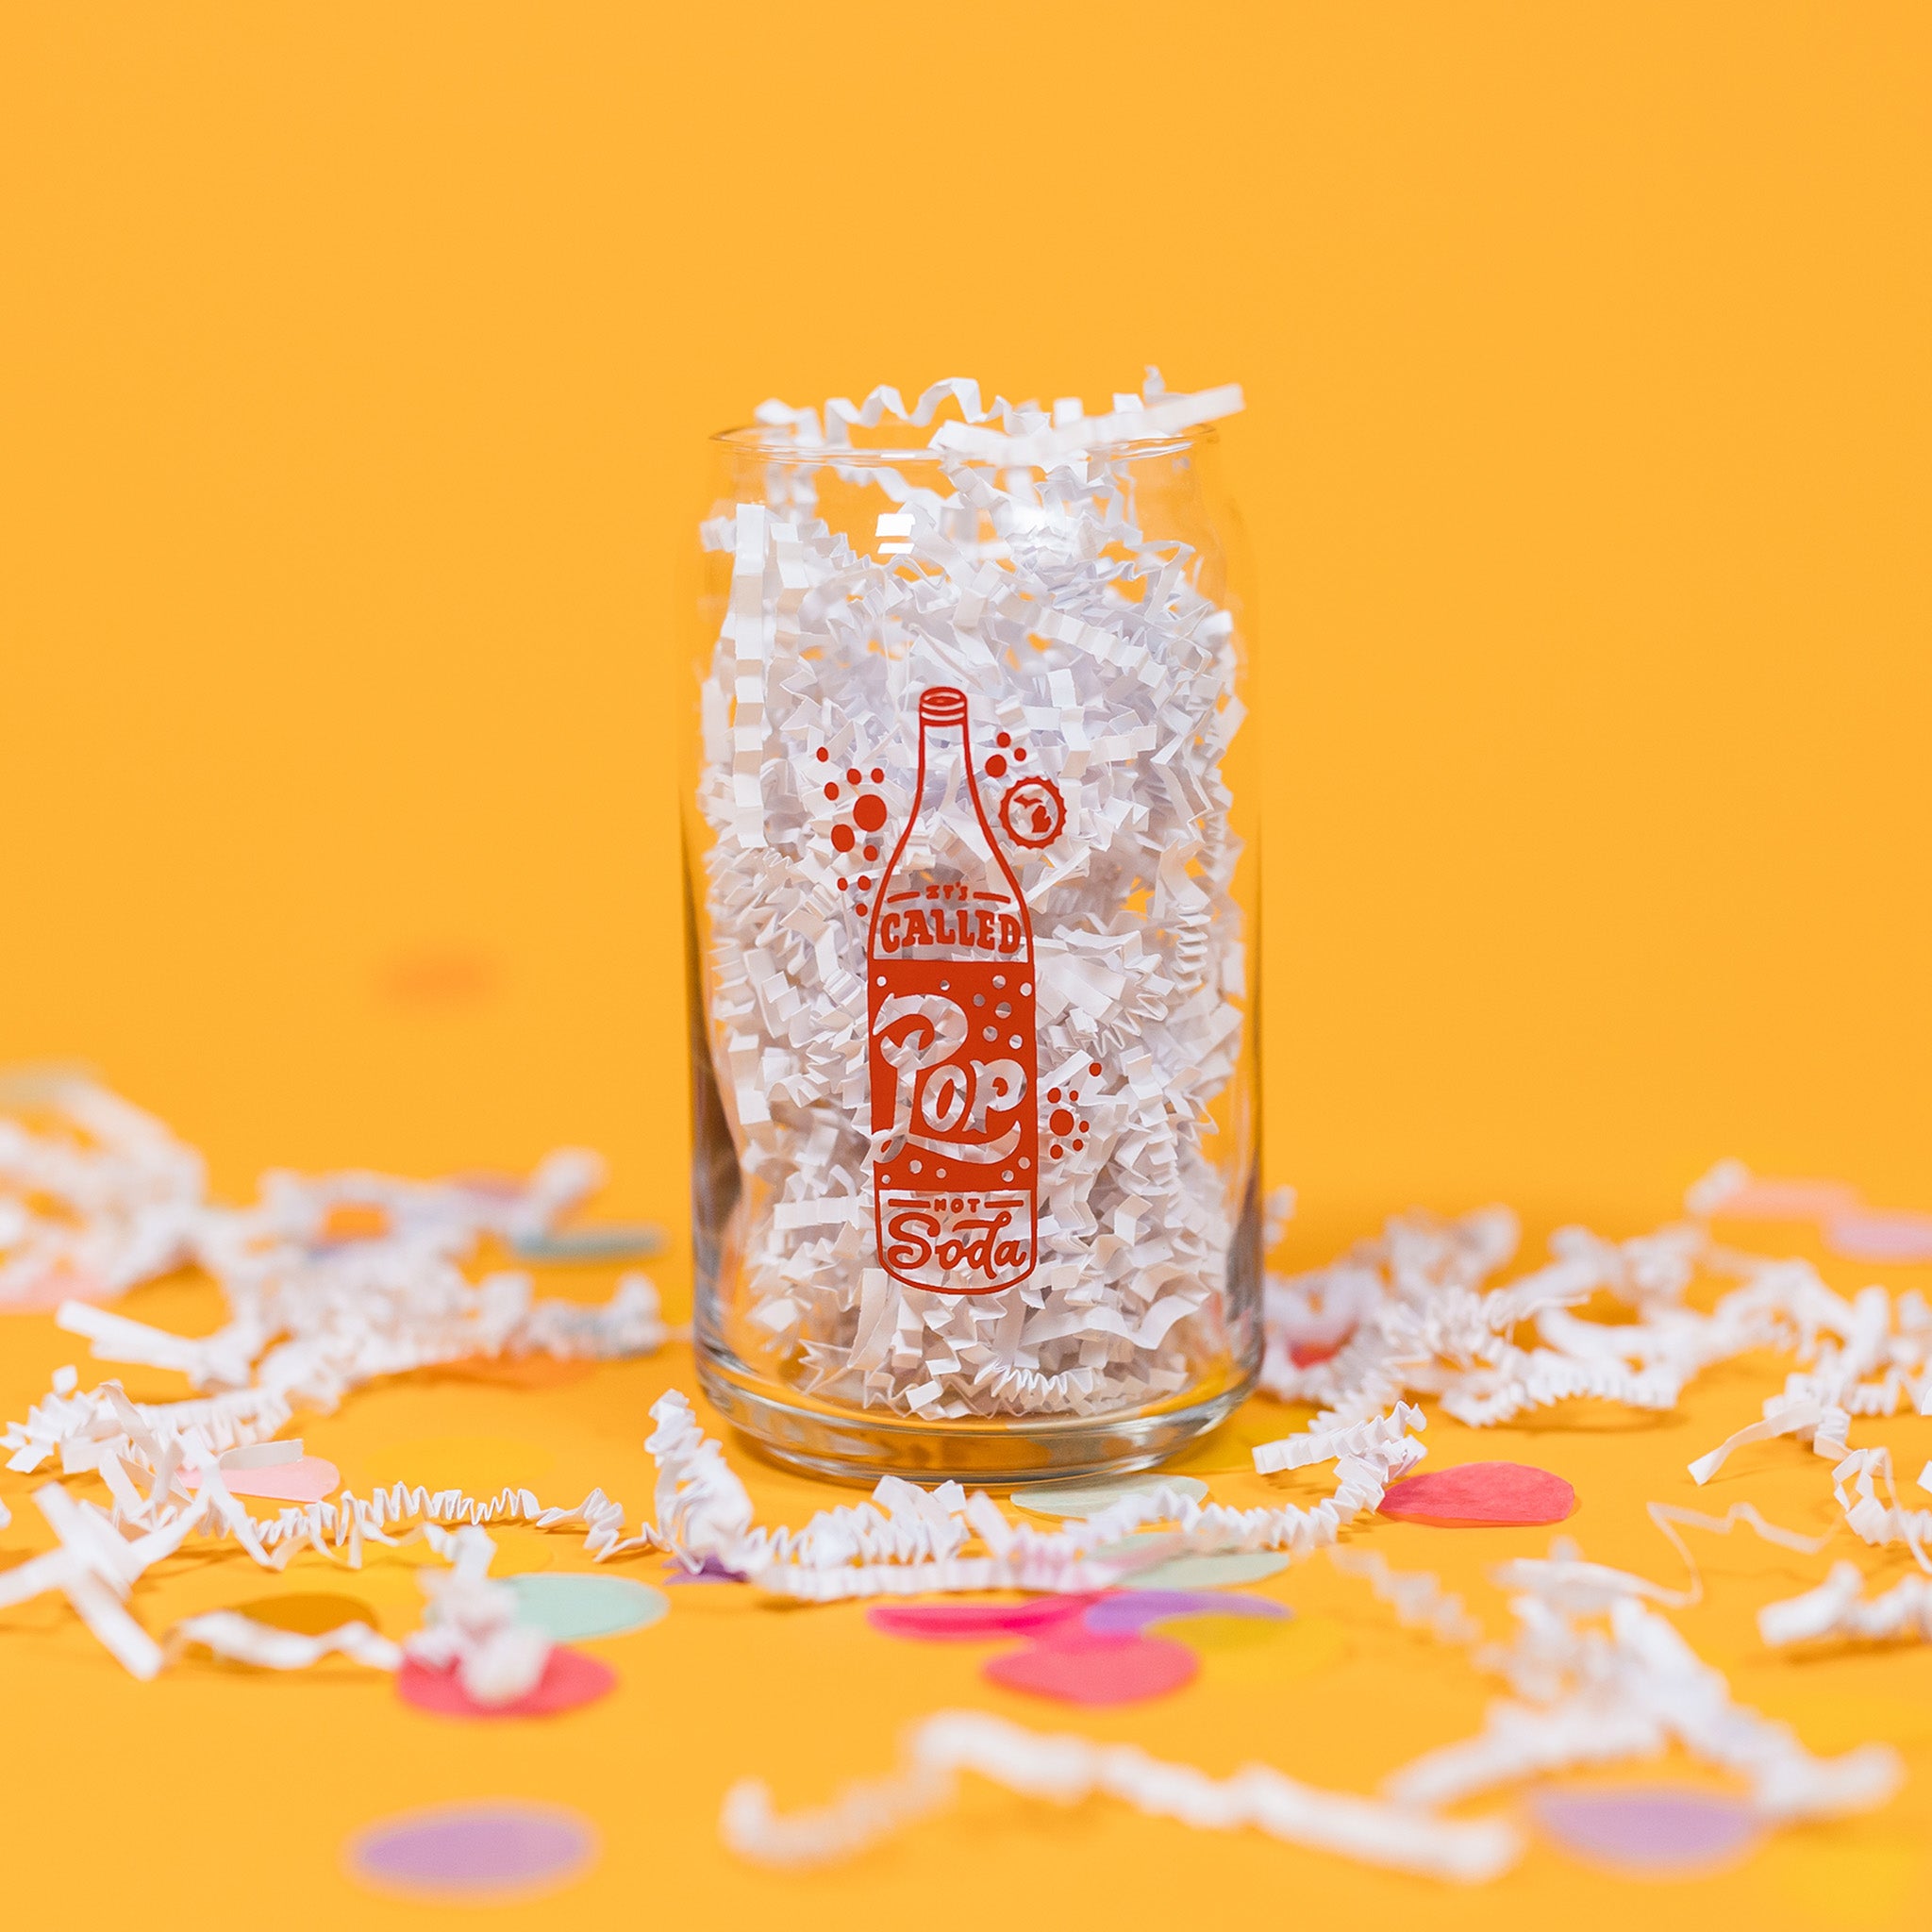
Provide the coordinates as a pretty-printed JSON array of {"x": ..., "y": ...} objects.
[{"x": 948, "y": 887}]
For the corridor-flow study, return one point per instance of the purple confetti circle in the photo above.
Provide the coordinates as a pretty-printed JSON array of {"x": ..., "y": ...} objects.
[
  {"x": 1129, "y": 1611},
  {"x": 1657, "y": 1830},
  {"x": 475, "y": 1851}
]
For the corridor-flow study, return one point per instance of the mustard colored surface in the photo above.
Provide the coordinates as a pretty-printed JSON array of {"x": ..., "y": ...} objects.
[
  {"x": 355, "y": 368},
  {"x": 216, "y": 1792}
]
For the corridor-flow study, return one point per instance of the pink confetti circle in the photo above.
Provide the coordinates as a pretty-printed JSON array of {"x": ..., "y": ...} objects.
[
  {"x": 570, "y": 1680},
  {"x": 975, "y": 1622},
  {"x": 1081, "y": 1668},
  {"x": 1481, "y": 1495},
  {"x": 307, "y": 1479}
]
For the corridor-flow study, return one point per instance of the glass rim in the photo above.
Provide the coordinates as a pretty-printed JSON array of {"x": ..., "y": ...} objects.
[{"x": 777, "y": 443}]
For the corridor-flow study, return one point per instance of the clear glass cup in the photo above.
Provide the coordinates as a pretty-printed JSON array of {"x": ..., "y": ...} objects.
[{"x": 972, "y": 898}]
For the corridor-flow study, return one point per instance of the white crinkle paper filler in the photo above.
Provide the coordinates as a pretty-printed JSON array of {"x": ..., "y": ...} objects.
[
  {"x": 1076, "y": 630},
  {"x": 1596, "y": 1677}
]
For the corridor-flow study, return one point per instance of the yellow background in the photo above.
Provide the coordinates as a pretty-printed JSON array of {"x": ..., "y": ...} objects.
[{"x": 354, "y": 367}]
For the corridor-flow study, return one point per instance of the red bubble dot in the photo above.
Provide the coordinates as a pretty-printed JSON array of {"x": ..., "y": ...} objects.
[
  {"x": 843, "y": 837},
  {"x": 862, "y": 909},
  {"x": 995, "y": 766},
  {"x": 1020, "y": 753},
  {"x": 824, "y": 756},
  {"x": 1061, "y": 1120},
  {"x": 1002, "y": 740},
  {"x": 1055, "y": 1151},
  {"x": 878, "y": 775},
  {"x": 872, "y": 851},
  {"x": 1094, "y": 1066},
  {"x": 1077, "y": 1145},
  {"x": 854, "y": 776},
  {"x": 865, "y": 883},
  {"x": 843, "y": 883},
  {"x": 1053, "y": 1092},
  {"x": 1083, "y": 1127},
  {"x": 831, "y": 792},
  {"x": 1072, "y": 1093},
  {"x": 870, "y": 812}
]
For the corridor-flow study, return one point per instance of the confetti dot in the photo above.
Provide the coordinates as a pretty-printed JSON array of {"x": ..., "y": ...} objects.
[
  {"x": 1657, "y": 1830},
  {"x": 570, "y": 1680},
  {"x": 870, "y": 812},
  {"x": 1053, "y": 1092},
  {"x": 1094, "y": 1067},
  {"x": 1002, "y": 739},
  {"x": 567, "y": 1604},
  {"x": 1873, "y": 1237},
  {"x": 1125, "y": 1611},
  {"x": 1083, "y": 1127},
  {"x": 976, "y": 1623},
  {"x": 709, "y": 1571},
  {"x": 309, "y": 1614},
  {"x": 464, "y": 1853},
  {"x": 1770, "y": 1199},
  {"x": 995, "y": 766},
  {"x": 863, "y": 908},
  {"x": 872, "y": 851},
  {"x": 831, "y": 792},
  {"x": 1055, "y": 1151},
  {"x": 824, "y": 756},
  {"x": 843, "y": 837},
  {"x": 307, "y": 1479},
  {"x": 1020, "y": 753},
  {"x": 1060, "y": 1120},
  {"x": 878, "y": 775},
  {"x": 1206, "y": 1572},
  {"x": 843, "y": 884},
  {"x": 1102, "y": 1493},
  {"x": 854, "y": 776},
  {"x": 1078, "y": 1146},
  {"x": 865, "y": 882},
  {"x": 1480, "y": 1495},
  {"x": 614, "y": 1243},
  {"x": 1095, "y": 1669}
]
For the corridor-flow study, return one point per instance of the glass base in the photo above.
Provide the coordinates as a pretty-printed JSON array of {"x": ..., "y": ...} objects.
[{"x": 992, "y": 1455}]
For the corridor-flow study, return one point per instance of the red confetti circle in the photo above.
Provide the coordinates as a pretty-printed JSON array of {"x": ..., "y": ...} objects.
[{"x": 1481, "y": 1494}]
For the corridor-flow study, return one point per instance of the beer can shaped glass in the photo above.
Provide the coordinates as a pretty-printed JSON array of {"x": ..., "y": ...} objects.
[{"x": 971, "y": 900}]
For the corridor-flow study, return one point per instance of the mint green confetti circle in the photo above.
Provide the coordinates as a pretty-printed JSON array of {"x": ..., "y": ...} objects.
[
  {"x": 567, "y": 1604},
  {"x": 1089, "y": 1499}
]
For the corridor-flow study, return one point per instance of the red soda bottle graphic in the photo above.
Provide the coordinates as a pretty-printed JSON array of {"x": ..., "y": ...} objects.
[{"x": 954, "y": 1057}]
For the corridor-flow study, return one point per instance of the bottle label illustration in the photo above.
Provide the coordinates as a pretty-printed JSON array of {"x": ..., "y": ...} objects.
[{"x": 953, "y": 1050}]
